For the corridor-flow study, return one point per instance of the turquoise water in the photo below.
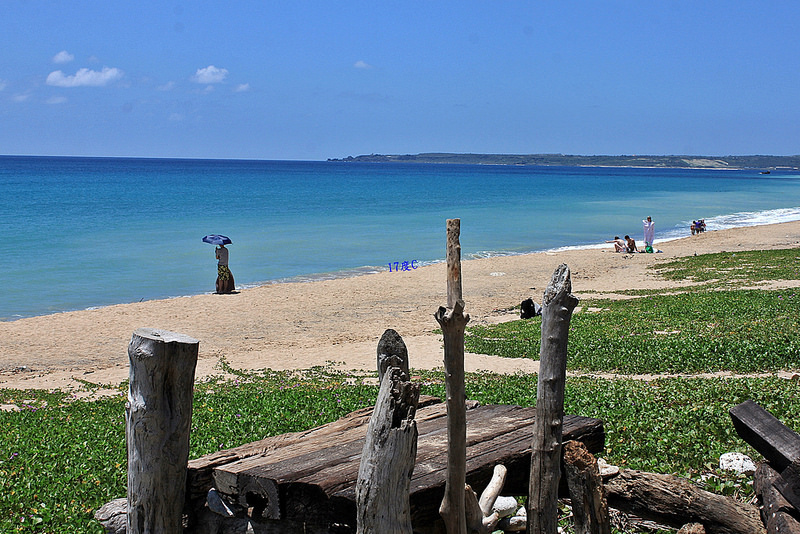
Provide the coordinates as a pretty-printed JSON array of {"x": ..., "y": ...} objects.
[{"x": 86, "y": 232}]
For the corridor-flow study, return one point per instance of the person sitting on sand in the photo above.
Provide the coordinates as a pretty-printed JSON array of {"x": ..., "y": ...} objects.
[
  {"x": 630, "y": 245},
  {"x": 619, "y": 244}
]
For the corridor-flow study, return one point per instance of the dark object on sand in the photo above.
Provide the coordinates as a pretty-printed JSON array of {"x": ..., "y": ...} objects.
[
  {"x": 216, "y": 239},
  {"x": 392, "y": 352},
  {"x": 529, "y": 309}
]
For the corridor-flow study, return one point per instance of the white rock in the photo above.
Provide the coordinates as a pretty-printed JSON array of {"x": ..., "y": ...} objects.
[
  {"x": 505, "y": 506},
  {"x": 513, "y": 524},
  {"x": 736, "y": 461},
  {"x": 606, "y": 470},
  {"x": 522, "y": 512}
]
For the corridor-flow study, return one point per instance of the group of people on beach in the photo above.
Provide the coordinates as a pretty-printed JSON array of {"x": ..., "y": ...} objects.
[
  {"x": 628, "y": 245},
  {"x": 698, "y": 226}
]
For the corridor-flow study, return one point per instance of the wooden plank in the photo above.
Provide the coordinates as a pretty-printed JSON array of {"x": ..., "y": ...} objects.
[
  {"x": 323, "y": 480},
  {"x": 779, "y": 444},
  {"x": 200, "y": 470}
]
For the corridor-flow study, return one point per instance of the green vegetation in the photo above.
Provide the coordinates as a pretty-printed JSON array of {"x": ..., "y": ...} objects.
[
  {"x": 716, "y": 162},
  {"x": 724, "y": 269},
  {"x": 62, "y": 458},
  {"x": 745, "y": 331}
]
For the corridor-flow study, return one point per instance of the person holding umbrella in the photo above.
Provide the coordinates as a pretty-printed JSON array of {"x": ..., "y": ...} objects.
[{"x": 225, "y": 283}]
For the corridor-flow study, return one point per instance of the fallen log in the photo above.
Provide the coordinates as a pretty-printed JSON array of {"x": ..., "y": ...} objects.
[
  {"x": 675, "y": 501},
  {"x": 776, "y": 511}
]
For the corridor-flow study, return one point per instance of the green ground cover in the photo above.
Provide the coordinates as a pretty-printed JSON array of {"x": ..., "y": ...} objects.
[
  {"x": 62, "y": 458},
  {"x": 745, "y": 331}
]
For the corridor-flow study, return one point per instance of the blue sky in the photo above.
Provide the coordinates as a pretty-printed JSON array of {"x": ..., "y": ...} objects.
[{"x": 311, "y": 80}]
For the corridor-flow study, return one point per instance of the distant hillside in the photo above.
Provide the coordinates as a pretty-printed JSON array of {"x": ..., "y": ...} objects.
[{"x": 704, "y": 162}]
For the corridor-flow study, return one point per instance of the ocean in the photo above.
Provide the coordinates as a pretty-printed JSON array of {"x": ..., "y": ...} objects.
[{"x": 89, "y": 232}]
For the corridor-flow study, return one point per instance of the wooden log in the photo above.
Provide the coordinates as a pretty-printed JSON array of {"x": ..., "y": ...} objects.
[
  {"x": 392, "y": 352},
  {"x": 351, "y": 426},
  {"x": 387, "y": 458},
  {"x": 776, "y": 511},
  {"x": 674, "y": 501},
  {"x": 453, "y": 262},
  {"x": 113, "y": 516},
  {"x": 779, "y": 444},
  {"x": 158, "y": 417},
  {"x": 788, "y": 483},
  {"x": 453, "y": 324},
  {"x": 452, "y": 510},
  {"x": 545, "y": 470},
  {"x": 329, "y": 466},
  {"x": 589, "y": 505}
]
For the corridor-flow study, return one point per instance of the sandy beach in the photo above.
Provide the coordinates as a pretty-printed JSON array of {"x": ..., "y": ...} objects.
[{"x": 337, "y": 322}]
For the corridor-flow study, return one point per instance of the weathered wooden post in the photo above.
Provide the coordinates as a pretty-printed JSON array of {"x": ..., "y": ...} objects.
[
  {"x": 589, "y": 504},
  {"x": 453, "y": 322},
  {"x": 388, "y": 458},
  {"x": 557, "y": 306},
  {"x": 158, "y": 416}
]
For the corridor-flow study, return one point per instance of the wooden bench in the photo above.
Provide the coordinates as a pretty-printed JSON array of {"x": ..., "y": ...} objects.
[{"x": 309, "y": 477}]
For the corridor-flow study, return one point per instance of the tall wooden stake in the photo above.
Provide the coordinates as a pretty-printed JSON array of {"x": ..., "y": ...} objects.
[
  {"x": 453, "y": 321},
  {"x": 158, "y": 416},
  {"x": 557, "y": 307},
  {"x": 453, "y": 262}
]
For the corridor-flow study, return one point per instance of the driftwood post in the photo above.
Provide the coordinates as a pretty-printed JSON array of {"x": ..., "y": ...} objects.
[
  {"x": 158, "y": 416},
  {"x": 453, "y": 322},
  {"x": 589, "y": 505},
  {"x": 387, "y": 459},
  {"x": 557, "y": 306}
]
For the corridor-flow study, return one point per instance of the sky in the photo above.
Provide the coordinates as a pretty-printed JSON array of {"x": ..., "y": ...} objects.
[{"x": 311, "y": 80}]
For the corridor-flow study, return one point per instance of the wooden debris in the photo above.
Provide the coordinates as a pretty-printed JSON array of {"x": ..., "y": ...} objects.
[
  {"x": 779, "y": 444},
  {"x": 675, "y": 501},
  {"x": 158, "y": 419},
  {"x": 545, "y": 470},
  {"x": 387, "y": 458},
  {"x": 776, "y": 512},
  {"x": 589, "y": 504}
]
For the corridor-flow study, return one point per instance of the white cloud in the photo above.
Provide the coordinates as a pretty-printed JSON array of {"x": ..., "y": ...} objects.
[
  {"x": 210, "y": 74},
  {"x": 242, "y": 88},
  {"x": 3, "y": 84},
  {"x": 57, "y": 100},
  {"x": 169, "y": 86},
  {"x": 84, "y": 77},
  {"x": 362, "y": 65},
  {"x": 22, "y": 97},
  {"x": 63, "y": 57}
]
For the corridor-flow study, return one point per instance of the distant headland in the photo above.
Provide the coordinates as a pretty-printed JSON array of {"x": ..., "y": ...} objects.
[{"x": 698, "y": 162}]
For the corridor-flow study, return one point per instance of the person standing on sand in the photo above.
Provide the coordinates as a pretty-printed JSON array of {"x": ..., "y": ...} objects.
[
  {"x": 225, "y": 282},
  {"x": 649, "y": 233}
]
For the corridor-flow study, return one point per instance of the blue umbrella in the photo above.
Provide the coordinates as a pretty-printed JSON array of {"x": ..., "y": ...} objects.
[{"x": 216, "y": 239}]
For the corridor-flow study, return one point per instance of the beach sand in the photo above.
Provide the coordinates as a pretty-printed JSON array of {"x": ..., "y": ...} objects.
[{"x": 338, "y": 322}]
